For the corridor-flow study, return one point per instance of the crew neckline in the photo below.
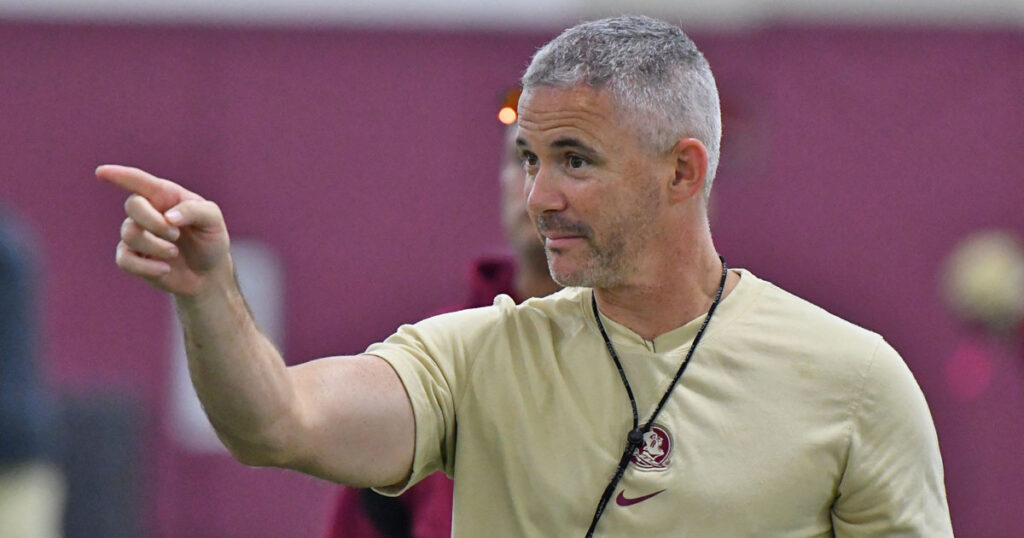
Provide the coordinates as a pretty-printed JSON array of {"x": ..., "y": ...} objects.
[{"x": 730, "y": 307}]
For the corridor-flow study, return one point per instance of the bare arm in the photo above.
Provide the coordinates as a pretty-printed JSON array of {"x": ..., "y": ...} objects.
[{"x": 346, "y": 419}]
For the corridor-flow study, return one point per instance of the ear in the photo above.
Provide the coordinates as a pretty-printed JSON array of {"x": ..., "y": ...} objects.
[{"x": 691, "y": 165}]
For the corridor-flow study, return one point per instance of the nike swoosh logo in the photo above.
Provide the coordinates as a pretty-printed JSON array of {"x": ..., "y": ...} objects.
[{"x": 622, "y": 500}]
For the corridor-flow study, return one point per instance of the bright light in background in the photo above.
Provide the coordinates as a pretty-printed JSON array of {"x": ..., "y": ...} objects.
[
  {"x": 509, "y": 111},
  {"x": 507, "y": 115}
]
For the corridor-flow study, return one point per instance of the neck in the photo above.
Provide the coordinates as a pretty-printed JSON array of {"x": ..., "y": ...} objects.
[{"x": 674, "y": 293}]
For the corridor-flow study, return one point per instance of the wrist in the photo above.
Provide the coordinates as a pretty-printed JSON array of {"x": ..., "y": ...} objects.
[{"x": 217, "y": 285}]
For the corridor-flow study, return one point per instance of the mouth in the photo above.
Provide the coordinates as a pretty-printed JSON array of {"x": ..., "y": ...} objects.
[
  {"x": 557, "y": 242},
  {"x": 560, "y": 233}
]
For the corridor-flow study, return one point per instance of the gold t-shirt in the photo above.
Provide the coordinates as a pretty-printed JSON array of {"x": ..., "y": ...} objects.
[{"x": 788, "y": 421}]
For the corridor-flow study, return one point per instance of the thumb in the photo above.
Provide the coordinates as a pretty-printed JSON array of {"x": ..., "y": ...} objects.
[{"x": 202, "y": 214}]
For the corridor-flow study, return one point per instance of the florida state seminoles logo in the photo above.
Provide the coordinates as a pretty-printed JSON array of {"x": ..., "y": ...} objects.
[{"x": 655, "y": 450}]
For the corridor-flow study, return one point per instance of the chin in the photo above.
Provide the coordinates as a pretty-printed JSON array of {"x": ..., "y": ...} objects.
[
  {"x": 571, "y": 277},
  {"x": 568, "y": 281}
]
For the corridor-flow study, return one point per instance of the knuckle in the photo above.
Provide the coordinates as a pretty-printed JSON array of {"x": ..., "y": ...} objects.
[
  {"x": 121, "y": 255},
  {"x": 132, "y": 238},
  {"x": 209, "y": 207},
  {"x": 140, "y": 245},
  {"x": 144, "y": 244},
  {"x": 127, "y": 227},
  {"x": 130, "y": 202}
]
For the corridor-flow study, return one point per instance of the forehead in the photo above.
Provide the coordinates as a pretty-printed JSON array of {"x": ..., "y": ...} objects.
[{"x": 547, "y": 113}]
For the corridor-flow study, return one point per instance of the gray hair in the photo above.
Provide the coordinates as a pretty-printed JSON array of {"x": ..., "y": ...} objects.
[{"x": 652, "y": 69}]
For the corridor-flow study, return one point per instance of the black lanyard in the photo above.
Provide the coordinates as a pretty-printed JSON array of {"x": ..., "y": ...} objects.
[{"x": 636, "y": 435}]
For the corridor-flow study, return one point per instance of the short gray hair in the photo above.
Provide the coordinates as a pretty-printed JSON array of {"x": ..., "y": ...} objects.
[{"x": 652, "y": 70}]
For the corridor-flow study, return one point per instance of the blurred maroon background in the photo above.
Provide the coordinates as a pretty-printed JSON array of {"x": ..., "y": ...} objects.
[{"x": 854, "y": 159}]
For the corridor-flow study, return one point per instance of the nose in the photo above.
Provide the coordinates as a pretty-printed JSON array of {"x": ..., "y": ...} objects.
[{"x": 543, "y": 192}]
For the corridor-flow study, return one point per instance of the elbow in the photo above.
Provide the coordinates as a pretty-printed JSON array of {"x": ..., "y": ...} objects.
[
  {"x": 260, "y": 451},
  {"x": 248, "y": 456},
  {"x": 254, "y": 455}
]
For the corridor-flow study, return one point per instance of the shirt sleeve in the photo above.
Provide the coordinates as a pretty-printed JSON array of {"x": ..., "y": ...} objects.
[
  {"x": 433, "y": 358},
  {"x": 893, "y": 483}
]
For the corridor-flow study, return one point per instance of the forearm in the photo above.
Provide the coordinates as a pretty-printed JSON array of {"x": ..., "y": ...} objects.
[
  {"x": 238, "y": 374},
  {"x": 348, "y": 419}
]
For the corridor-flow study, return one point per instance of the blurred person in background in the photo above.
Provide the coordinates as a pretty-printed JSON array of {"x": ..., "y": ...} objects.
[
  {"x": 983, "y": 284},
  {"x": 425, "y": 511},
  {"x": 32, "y": 486},
  {"x": 792, "y": 421}
]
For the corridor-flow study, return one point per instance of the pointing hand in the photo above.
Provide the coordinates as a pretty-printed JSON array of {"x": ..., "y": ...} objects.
[{"x": 172, "y": 237}]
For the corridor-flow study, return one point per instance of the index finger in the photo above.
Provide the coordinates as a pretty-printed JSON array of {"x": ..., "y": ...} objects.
[{"x": 161, "y": 193}]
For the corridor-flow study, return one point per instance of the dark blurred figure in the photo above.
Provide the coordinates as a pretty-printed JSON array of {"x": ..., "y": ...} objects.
[
  {"x": 31, "y": 484},
  {"x": 425, "y": 511}
]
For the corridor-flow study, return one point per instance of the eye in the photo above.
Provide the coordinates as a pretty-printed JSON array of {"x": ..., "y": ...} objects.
[
  {"x": 575, "y": 161},
  {"x": 529, "y": 160}
]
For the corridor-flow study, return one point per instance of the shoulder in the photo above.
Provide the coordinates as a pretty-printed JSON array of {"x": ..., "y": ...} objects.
[
  {"x": 567, "y": 302},
  {"x": 777, "y": 315},
  {"x": 561, "y": 311},
  {"x": 504, "y": 317}
]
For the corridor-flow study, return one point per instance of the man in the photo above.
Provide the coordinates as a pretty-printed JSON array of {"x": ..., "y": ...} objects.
[
  {"x": 32, "y": 486},
  {"x": 788, "y": 422},
  {"x": 425, "y": 511}
]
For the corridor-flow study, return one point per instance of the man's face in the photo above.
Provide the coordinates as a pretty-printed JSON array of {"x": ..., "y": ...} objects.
[{"x": 593, "y": 187}]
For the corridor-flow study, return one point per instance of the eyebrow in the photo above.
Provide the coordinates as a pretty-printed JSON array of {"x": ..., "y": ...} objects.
[
  {"x": 564, "y": 142},
  {"x": 567, "y": 142}
]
